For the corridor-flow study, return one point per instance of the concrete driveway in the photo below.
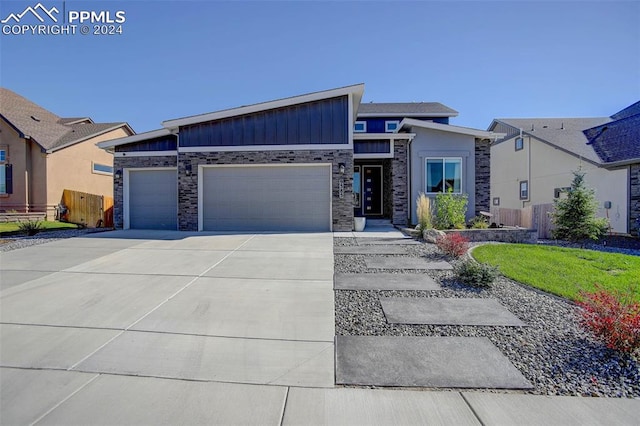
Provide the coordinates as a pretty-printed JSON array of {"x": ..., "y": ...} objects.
[{"x": 80, "y": 317}]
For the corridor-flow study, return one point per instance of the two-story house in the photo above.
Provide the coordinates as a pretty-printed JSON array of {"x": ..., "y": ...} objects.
[{"x": 304, "y": 163}]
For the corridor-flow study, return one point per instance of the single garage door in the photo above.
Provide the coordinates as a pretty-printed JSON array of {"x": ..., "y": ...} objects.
[
  {"x": 266, "y": 198},
  {"x": 153, "y": 199}
]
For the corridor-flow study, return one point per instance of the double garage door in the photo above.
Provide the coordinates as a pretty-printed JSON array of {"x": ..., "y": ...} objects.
[{"x": 238, "y": 198}]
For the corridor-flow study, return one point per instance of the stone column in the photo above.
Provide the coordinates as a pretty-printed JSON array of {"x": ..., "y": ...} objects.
[
  {"x": 400, "y": 181},
  {"x": 483, "y": 175}
]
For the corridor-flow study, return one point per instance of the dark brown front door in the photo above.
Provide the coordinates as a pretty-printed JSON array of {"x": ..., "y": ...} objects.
[{"x": 372, "y": 190}]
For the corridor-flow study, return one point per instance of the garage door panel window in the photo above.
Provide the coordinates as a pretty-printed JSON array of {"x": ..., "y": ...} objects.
[{"x": 443, "y": 175}]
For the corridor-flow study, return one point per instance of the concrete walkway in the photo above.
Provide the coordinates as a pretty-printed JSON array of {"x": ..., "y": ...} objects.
[{"x": 142, "y": 327}]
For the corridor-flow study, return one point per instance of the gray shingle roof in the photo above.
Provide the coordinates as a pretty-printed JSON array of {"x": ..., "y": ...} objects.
[
  {"x": 73, "y": 120},
  {"x": 564, "y": 133},
  {"x": 45, "y": 127},
  {"x": 407, "y": 109},
  {"x": 618, "y": 140}
]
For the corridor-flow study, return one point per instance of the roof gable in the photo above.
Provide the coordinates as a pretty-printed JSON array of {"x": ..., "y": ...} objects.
[
  {"x": 563, "y": 133},
  {"x": 619, "y": 140},
  {"x": 47, "y": 129},
  {"x": 632, "y": 109}
]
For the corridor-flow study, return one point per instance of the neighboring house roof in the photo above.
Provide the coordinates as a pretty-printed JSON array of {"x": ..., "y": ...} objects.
[
  {"x": 50, "y": 131},
  {"x": 355, "y": 90},
  {"x": 563, "y": 133},
  {"x": 477, "y": 133},
  {"x": 406, "y": 109},
  {"x": 618, "y": 141}
]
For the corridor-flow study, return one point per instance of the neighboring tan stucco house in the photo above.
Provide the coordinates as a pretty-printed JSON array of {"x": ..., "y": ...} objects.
[
  {"x": 533, "y": 164},
  {"x": 42, "y": 154},
  {"x": 305, "y": 163}
]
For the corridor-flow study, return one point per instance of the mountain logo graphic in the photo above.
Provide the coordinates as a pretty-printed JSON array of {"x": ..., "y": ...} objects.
[{"x": 34, "y": 11}]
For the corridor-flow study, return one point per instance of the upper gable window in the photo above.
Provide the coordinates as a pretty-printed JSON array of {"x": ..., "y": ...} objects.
[
  {"x": 391, "y": 126},
  {"x": 360, "y": 127},
  {"x": 519, "y": 143}
]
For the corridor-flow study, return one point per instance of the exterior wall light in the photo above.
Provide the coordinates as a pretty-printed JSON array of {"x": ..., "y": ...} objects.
[
  {"x": 187, "y": 169},
  {"x": 341, "y": 168},
  {"x": 118, "y": 174}
]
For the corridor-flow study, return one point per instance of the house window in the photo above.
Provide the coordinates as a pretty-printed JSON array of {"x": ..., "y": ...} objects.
[
  {"x": 360, "y": 127},
  {"x": 3, "y": 171},
  {"x": 356, "y": 186},
  {"x": 102, "y": 169},
  {"x": 391, "y": 126},
  {"x": 519, "y": 144},
  {"x": 496, "y": 201},
  {"x": 524, "y": 190},
  {"x": 443, "y": 175}
]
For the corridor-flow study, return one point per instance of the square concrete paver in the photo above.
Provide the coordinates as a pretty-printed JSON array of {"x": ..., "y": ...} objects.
[
  {"x": 120, "y": 400},
  {"x": 25, "y": 395},
  {"x": 385, "y": 281},
  {"x": 513, "y": 409},
  {"x": 48, "y": 347},
  {"x": 374, "y": 249},
  {"x": 87, "y": 300},
  {"x": 275, "y": 265},
  {"x": 444, "y": 311},
  {"x": 258, "y": 361},
  {"x": 417, "y": 263},
  {"x": 375, "y": 407},
  {"x": 249, "y": 308},
  {"x": 386, "y": 241},
  {"x": 448, "y": 362}
]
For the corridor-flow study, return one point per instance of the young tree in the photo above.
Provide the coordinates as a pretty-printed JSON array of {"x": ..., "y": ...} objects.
[{"x": 574, "y": 217}]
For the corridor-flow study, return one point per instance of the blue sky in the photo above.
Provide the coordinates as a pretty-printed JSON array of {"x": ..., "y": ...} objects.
[{"x": 484, "y": 59}]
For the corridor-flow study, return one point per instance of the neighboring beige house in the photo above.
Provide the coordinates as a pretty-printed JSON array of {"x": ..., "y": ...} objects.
[
  {"x": 42, "y": 154},
  {"x": 533, "y": 165}
]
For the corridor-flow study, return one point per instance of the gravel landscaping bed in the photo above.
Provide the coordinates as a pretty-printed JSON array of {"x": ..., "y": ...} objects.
[
  {"x": 552, "y": 351},
  {"x": 18, "y": 242}
]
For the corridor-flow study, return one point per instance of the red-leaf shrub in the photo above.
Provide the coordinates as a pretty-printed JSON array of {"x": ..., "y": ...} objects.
[
  {"x": 453, "y": 244},
  {"x": 612, "y": 318}
]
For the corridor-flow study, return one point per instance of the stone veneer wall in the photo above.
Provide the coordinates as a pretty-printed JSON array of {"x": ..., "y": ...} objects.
[
  {"x": 342, "y": 208},
  {"x": 120, "y": 163},
  {"x": 511, "y": 235},
  {"x": 399, "y": 177},
  {"x": 634, "y": 200},
  {"x": 483, "y": 175}
]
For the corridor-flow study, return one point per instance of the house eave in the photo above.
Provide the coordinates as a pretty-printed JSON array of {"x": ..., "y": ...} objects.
[
  {"x": 390, "y": 136},
  {"x": 476, "y": 133},
  {"x": 86, "y": 138},
  {"x": 133, "y": 138},
  {"x": 402, "y": 115},
  {"x": 356, "y": 90}
]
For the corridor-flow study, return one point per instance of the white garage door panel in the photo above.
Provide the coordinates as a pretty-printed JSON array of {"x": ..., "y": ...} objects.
[
  {"x": 153, "y": 199},
  {"x": 291, "y": 198}
]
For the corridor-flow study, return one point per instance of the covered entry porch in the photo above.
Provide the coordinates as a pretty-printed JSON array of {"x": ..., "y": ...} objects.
[{"x": 380, "y": 176}]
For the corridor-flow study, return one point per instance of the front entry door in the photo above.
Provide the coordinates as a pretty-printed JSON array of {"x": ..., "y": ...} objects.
[{"x": 372, "y": 190}]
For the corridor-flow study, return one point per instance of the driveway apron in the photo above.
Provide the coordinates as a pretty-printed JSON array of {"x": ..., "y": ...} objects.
[{"x": 234, "y": 308}]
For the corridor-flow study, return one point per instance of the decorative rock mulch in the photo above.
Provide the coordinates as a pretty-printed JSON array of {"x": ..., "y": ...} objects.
[{"x": 552, "y": 352}]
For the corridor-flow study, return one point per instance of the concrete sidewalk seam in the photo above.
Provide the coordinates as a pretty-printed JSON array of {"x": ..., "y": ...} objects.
[
  {"x": 157, "y": 307},
  {"x": 284, "y": 406},
  {"x": 473, "y": 410},
  {"x": 64, "y": 400},
  {"x": 223, "y": 336}
]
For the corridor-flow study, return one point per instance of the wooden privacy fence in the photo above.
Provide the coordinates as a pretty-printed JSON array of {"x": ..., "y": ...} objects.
[
  {"x": 535, "y": 217},
  {"x": 90, "y": 210}
]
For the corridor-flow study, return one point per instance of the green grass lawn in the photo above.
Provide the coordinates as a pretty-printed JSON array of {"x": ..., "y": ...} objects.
[
  {"x": 46, "y": 226},
  {"x": 563, "y": 271}
]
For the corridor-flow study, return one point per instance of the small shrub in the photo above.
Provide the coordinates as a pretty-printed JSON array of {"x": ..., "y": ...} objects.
[
  {"x": 450, "y": 210},
  {"x": 31, "y": 227},
  {"x": 476, "y": 274},
  {"x": 479, "y": 222},
  {"x": 453, "y": 244},
  {"x": 613, "y": 318},
  {"x": 423, "y": 211}
]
